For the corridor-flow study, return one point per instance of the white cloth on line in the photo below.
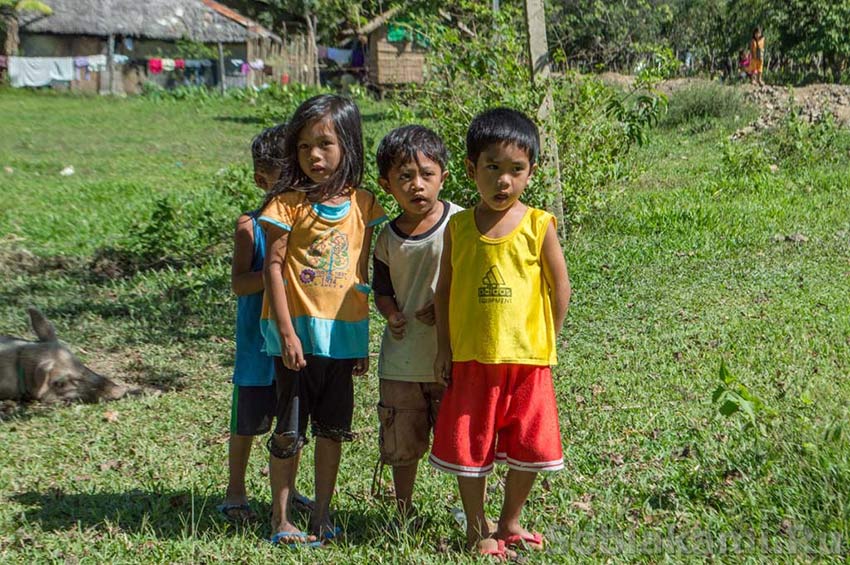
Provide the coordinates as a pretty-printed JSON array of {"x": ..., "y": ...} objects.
[
  {"x": 39, "y": 71},
  {"x": 97, "y": 63}
]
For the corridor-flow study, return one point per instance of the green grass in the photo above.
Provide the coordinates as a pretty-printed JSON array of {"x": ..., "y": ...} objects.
[{"x": 681, "y": 272}]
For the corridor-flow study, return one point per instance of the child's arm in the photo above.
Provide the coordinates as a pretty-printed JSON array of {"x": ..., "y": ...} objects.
[
  {"x": 242, "y": 280},
  {"x": 361, "y": 366},
  {"x": 555, "y": 273},
  {"x": 276, "y": 241},
  {"x": 385, "y": 299},
  {"x": 443, "y": 362}
]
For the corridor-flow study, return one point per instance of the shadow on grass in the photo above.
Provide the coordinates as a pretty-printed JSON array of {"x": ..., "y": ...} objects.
[
  {"x": 239, "y": 119},
  {"x": 179, "y": 514},
  {"x": 145, "y": 310},
  {"x": 167, "y": 514}
]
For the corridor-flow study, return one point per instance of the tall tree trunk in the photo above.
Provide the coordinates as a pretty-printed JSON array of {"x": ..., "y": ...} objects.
[
  {"x": 312, "y": 47},
  {"x": 13, "y": 40}
]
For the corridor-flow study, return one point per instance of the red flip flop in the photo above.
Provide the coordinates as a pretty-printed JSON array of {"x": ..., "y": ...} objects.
[
  {"x": 500, "y": 553},
  {"x": 527, "y": 540}
]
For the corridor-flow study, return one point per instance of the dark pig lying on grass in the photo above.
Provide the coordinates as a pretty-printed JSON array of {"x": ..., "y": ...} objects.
[{"x": 47, "y": 371}]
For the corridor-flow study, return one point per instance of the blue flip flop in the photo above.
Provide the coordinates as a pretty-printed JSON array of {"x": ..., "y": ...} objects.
[
  {"x": 275, "y": 540},
  {"x": 330, "y": 535},
  {"x": 236, "y": 512}
]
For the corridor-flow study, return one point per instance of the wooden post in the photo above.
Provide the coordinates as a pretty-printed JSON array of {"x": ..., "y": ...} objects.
[
  {"x": 221, "y": 84},
  {"x": 110, "y": 63},
  {"x": 538, "y": 51}
]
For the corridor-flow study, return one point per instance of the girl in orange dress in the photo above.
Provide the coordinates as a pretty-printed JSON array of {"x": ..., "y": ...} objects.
[{"x": 756, "y": 56}]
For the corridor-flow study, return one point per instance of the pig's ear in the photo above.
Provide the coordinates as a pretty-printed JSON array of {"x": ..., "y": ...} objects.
[
  {"x": 38, "y": 382},
  {"x": 41, "y": 326}
]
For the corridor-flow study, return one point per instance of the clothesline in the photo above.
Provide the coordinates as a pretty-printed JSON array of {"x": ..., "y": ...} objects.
[{"x": 42, "y": 71}]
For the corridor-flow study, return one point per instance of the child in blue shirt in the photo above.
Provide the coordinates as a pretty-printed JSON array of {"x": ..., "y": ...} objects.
[{"x": 254, "y": 395}]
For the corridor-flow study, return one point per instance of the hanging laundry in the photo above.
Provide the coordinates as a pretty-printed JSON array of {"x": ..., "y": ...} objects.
[
  {"x": 154, "y": 66},
  {"x": 341, "y": 57},
  {"x": 257, "y": 64},
  {"x": 323, "y": 51},
  {"x": 120, "y": 59},
  {"x": 179, "y": 64},
  {"x": 245, "y": 68},
  {"x": 81, "y": 63},
  {"x": 97, "y": 63},
  {"x": 3, "y": 62},
  {"x": 191, "y": 63},
  {"x": 39, "y": 71},
  {"x": 167, "y": 65},
  {"x": 237, "y": 63},
  {"x": 128, "y": 43}
]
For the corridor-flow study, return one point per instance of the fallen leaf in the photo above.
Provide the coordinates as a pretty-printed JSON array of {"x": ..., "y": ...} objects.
[
  {"x": 111, "y": 464},
  {"x": 110, "y": 416}
]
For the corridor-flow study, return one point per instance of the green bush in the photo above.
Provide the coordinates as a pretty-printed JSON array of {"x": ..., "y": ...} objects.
[
  {"x": 798, "y": 142},
  {"x": 706, "y": 102},
  {"x": 190, "y": 230},
  {"x": 594, "y": 126}
]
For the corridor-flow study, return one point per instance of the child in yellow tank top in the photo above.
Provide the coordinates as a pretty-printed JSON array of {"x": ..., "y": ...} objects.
[{"x": 501, "y": 299}]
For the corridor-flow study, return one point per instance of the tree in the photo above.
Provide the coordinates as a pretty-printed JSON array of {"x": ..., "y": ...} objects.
[{"x": 9, "y": 10}]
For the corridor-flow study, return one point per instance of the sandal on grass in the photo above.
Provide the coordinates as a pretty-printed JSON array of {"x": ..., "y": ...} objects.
[
  {"x": 236, "y": 512},
  {"x": 534, "y": 541},
  {"x": 302, "y": 503},
  {"x": 301, "y": 540},
  {"x": 331, "y": 535},
  {"x": 500, "y": 552}
]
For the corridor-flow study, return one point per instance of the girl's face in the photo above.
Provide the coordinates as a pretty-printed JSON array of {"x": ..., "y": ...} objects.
[{"x": 319, "y": 151}]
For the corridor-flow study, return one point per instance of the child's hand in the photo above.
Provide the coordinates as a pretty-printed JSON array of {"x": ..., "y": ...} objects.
[
  {"x": 397, "y": 324},
  {"x": 443, "y": 367},
  {"x": 426, "y": 314},
  {"x": 361, "y": 367},
  {"x": 293, "y": 354}
]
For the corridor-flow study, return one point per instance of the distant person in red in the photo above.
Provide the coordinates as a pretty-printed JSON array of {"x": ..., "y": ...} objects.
[
  {"x": 744, "y": 64},
  {"x": 756, "y": 56}
]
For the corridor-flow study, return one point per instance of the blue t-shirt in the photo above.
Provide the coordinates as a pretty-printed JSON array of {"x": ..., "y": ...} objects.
[{"x": 252, "y": 367}]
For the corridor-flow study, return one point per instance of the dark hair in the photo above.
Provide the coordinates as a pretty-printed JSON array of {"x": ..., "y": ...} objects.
[
  {"x": 345, "y": 117},
  {"x": 502, "y": 125},
  {"x": 402, "y": 144},
  {"x": 267, "y": 148},
  {"x": 757, "y": 30}
]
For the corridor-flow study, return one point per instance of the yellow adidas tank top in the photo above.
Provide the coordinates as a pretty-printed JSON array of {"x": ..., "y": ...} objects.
[{"x": 500, "y": 310}]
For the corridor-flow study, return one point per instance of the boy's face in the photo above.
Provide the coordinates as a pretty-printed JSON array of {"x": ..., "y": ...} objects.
[
  {"x": 415, "y": 185},
  {"x": 266, "y": 178},
  {"x": 501, "y": 175}
]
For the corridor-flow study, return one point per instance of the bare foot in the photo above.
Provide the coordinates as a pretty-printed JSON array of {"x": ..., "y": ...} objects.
[
  {"x": 287, "y": 533},
  {"x": 495, "y": 548}
]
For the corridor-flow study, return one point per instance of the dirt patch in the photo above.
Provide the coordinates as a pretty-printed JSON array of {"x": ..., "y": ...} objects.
[{"x": 773, "y": 102}]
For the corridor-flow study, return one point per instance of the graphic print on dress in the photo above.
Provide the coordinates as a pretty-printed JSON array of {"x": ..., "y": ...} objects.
[
  {"x": 494, "y": 288},
  {"x": 328, "y": 258}
]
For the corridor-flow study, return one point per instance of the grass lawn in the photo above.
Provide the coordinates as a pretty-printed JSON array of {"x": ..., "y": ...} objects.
[{"x": 686, "y": 268}]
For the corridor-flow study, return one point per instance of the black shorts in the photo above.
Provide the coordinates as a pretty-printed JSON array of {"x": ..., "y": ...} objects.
[
  {"x": 252, "y": 409},
  {"x": 322, "y": 393}
]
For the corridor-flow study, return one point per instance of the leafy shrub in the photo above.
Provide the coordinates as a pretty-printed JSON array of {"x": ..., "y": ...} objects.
[
  {"x": 185, "y": 230},
  {"x": 275, "y": 104},
  {"x": 593, "y": 127},
  {"x": 798, "y": 142},
  {"x": 702, "y": 102}
]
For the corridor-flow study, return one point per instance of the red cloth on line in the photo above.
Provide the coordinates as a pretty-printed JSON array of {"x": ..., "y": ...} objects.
[
  {"x": 179, "y": 64},
  {"x": 503, "y": 413},
  {"x": 154, "y": 66}
]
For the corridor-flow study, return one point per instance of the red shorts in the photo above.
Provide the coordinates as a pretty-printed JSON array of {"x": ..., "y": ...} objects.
[{"x": 504, "y": 413}]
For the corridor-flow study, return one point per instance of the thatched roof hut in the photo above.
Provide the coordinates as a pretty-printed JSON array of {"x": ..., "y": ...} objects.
[
  {"x": 203, "y": 21},
  {"x": 393, "y": 62},
  {"x": 145, "y": 29}
]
